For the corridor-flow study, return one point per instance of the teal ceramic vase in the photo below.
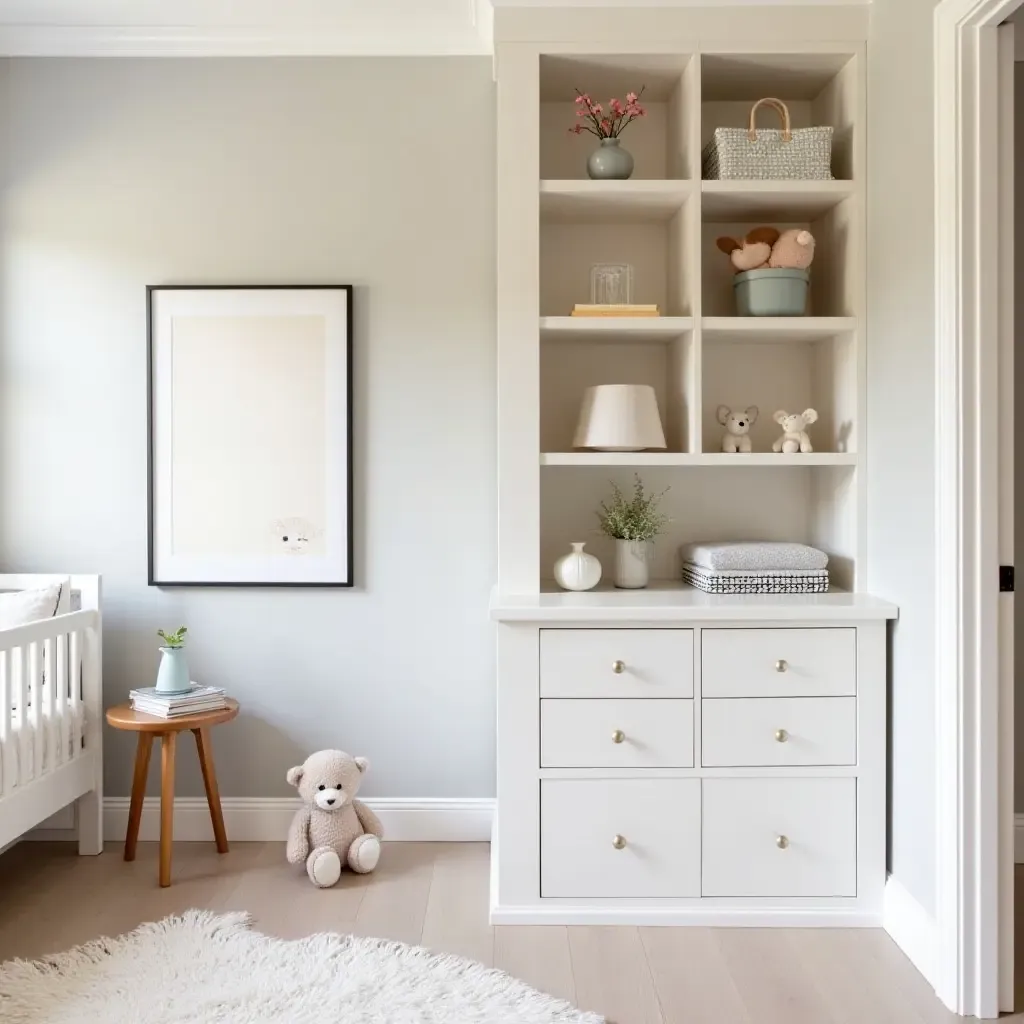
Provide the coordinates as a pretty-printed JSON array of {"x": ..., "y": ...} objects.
[
  {"x": 172, "y": 676},
  {"x": 610, "y": 161}
]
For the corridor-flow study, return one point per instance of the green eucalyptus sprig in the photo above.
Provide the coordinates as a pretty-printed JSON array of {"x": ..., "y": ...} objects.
[
  {"x": 635, "y": 518},
  {"x": 175, "y": 639}
]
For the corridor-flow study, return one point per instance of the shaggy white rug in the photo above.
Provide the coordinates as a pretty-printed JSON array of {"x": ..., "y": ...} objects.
[{"x": 204, "y": 968}]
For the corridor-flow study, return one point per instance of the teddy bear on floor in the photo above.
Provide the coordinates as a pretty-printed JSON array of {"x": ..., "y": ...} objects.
[
  {"x": 768, "y": 248},
  {"x": 332, "y": 828},
  {"x": 737, "y": 428},
  {"x": 794, "y": 433}
]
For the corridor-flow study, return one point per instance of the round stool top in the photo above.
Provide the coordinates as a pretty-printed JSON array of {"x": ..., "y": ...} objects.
[{"x": 124, "y": 716}]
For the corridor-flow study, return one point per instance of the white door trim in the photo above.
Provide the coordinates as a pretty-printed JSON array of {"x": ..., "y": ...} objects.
[{"x": 967, "y": 263}]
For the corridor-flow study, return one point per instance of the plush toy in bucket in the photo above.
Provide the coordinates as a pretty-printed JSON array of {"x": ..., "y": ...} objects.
[{"x": 772, "y": 273}]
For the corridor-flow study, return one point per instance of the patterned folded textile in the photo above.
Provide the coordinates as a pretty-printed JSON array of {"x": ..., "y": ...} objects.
[
  {"x": 753, "y": 556},
  {"x": 771, "y": 581}
]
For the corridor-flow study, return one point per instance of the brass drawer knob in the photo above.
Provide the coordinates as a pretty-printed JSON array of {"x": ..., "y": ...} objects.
[
  {"x": 781, "y": 735},
  {"x": 619, "y": 842},
  {"x": 618, "y": 736},
  {"x": 781, "y": 665},
  {"x": 618, "y": 667},
  {"x": 782, "y": 842}
]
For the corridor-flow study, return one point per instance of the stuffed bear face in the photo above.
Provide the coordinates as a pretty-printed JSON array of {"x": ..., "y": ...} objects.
[
  {"x": 795, "y": 422},
  {"x": 329, "y": 779},
  {"x": 737, "y": 422}
]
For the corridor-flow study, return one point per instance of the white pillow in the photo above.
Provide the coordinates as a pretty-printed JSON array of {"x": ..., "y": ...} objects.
[{"x": 24, "y": 606}]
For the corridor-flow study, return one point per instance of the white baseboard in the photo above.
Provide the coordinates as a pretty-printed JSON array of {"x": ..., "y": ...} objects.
[
  {"x": 644, "y": 914},
  {"x": 247, "y": 820},
  {"x": 911, "y": 927}
]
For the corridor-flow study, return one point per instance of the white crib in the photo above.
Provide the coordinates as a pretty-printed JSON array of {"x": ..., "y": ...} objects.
[{"x": 51, "y": 713}]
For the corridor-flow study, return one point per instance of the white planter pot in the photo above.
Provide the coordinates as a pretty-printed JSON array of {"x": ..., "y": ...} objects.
[
  {"x": 632, "y": 571},
  {"x": 578, "y": 570}
]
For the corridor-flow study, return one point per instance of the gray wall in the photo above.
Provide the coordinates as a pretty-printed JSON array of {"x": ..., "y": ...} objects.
[
  {"x": 378, "y": 172},
  {"x": 901, "y": 368}
]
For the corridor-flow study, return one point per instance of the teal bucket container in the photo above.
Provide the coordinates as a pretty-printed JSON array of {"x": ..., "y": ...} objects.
[{"x": 772, "y": 292}]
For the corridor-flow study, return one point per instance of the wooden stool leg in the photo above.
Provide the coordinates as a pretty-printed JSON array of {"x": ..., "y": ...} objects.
[
  {"x": 212, "y": 793},
  {"x": 142, "y": 752},
  {"x": 168, "y": 744}
]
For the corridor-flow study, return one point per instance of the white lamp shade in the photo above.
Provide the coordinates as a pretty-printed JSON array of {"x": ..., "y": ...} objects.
[{"x": 619, "y": 418}]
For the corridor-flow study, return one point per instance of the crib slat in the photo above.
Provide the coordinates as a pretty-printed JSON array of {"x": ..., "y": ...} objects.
[
  {"x": 49, "y": 692},
  {"x": 5, "y": 720},
  {"x": 75, "y": 657},
  {"x": 61, "y": 681},
  {"x": 20, "y": 656},
  {"x": 35, "y": 681}
]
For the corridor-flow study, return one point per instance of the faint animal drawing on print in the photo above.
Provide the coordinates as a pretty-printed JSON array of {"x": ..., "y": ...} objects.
[{"x": 295, "y": 534}]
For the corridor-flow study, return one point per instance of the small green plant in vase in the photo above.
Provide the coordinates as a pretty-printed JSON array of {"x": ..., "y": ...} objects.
[
  {"x": 173, "y": 676},
  {"x": 633, "y": 523}
]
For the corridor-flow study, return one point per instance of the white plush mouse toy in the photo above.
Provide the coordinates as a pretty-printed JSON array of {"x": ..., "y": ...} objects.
[
  {"x": 794, "y": 434},
  {"x": 737, "y": 425}
]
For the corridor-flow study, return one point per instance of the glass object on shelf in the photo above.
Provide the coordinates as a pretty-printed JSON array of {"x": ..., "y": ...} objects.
[{"x": 611, "y": 284}]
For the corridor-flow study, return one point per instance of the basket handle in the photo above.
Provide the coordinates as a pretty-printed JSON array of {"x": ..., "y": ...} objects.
[{"x": 783, "y": 112}]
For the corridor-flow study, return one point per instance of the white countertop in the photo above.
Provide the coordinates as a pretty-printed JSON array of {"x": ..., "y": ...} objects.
[{"x": 668, "y": 601}]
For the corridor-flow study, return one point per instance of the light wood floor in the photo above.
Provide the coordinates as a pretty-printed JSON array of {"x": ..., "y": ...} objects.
[{"x": 436, "y": 894}]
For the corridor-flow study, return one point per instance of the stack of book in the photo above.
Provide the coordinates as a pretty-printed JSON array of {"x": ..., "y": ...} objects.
[
  {"x": 615, "y": 309},
  {"x": 191, "y": 702}
]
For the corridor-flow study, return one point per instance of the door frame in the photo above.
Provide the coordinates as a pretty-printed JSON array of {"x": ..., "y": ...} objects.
[{"x": 972, "y": 968}]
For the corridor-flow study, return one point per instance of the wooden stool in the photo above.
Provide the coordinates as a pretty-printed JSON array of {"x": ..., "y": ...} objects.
[{"x": 147, "y": 726}]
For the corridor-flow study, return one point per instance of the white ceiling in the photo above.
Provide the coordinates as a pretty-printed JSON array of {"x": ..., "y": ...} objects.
[{"x": 242, "y": 27}]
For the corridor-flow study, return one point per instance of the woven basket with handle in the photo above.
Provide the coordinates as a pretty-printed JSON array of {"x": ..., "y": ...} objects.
[{"x": 773, "y": 153}]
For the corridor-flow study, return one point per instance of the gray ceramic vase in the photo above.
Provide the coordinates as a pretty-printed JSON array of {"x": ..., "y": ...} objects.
[{"x": 610, "y": 161}]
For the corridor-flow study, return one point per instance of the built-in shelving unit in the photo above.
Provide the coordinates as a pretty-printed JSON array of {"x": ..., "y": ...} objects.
[
  {"x": 699, "y": 355},
  {"x": 757, "y": 720}
]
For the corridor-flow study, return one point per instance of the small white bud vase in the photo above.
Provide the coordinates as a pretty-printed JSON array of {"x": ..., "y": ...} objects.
[
  {"x": 631, "y": 569},
  {"x": 578, "y": 570}
]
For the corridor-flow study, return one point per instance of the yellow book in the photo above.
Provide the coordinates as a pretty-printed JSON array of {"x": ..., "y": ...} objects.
[
  {"x": 615, "y": 309},
  {"x": 615, "y": 312}
]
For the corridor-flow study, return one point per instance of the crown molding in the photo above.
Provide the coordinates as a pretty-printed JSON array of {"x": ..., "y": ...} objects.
[
  {"x": 132, "y": 41},
  {"x": 299, "y": 28},
  {"x": 212, "y": 28}
]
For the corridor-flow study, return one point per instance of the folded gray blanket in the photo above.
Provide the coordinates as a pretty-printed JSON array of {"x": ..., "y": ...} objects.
[{"x": 753, "y": 556}]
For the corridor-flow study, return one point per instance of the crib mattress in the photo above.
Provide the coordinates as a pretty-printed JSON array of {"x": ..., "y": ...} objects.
[{"x": 62, "y": 731}]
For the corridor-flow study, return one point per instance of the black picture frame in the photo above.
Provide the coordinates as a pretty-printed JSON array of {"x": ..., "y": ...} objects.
[{"x": 152, "y": 294}]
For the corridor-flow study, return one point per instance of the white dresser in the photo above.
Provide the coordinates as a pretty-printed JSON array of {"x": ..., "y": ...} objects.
[{"x": 717, "y": 764}]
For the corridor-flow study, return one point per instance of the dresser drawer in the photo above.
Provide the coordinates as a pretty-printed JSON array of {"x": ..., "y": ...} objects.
[
  {"x": 770, "y": 731},
  {"x": 620, "y": 837},
  {"x": 616, "y": 662},
  {"x": 778, "y": 662},
  {"x": 780, "y": 837},
  {"x": 611, "y": 733}
]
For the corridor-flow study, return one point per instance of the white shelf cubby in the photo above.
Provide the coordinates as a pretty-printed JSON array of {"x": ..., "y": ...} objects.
[
  {"x": 818, "y": 88},
  {"x": 788, "y": 501},
  {"x": 663, "y": 144}
]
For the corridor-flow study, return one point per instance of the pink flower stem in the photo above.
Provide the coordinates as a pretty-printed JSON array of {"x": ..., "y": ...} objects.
[{"x": 598, "y": 130}]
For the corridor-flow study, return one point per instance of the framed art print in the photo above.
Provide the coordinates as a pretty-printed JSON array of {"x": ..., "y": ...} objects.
[{"x": 250, "y": 436}]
